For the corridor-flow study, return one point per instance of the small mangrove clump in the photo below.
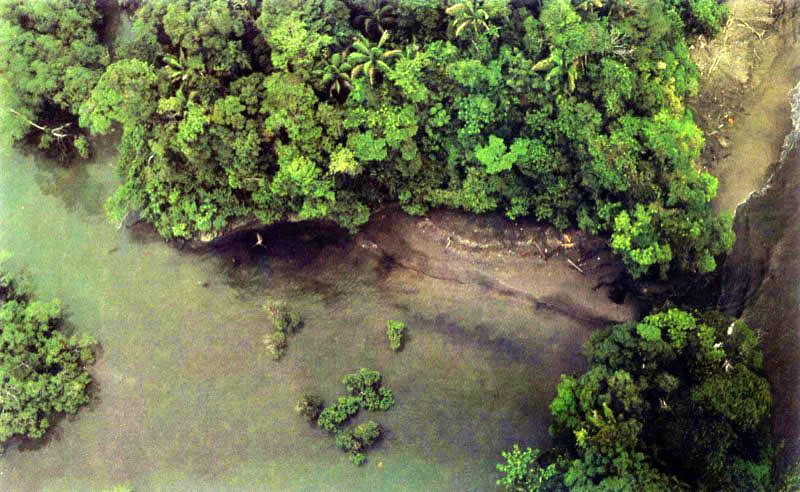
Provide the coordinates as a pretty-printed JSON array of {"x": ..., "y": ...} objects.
[
  {"x": 309, "y": 407},
  {"x": 357, "y": 440},
  {"x": 335, "y": 415},
  {"x": 366, "y": 393},
  {"x": 366, "y": 385},
  {"x": 276, "y": 344},
  {"x": 396, "y": 332},
  {"x": 285, "y": 319},
  {"x": 286, "y": 322}
]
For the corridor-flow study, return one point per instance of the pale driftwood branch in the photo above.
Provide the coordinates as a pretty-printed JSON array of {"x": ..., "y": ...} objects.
[
  {"x": 576, "y": 267},
  {"x": 14, "y": 111},
  {"x": 56, "y": 132}
]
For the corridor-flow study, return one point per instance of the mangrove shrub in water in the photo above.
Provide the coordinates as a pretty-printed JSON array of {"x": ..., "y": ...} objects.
[
  {"x": 570, "y": 112},
  {"x": 42, "y": 371},
  {"x": 366, "y": 392},
  {"x": 674, "y": 402},
  {"x": 309, "y": 406},
  {"x": 396, "y": 333},
  {"x": 285, "y": 322}
]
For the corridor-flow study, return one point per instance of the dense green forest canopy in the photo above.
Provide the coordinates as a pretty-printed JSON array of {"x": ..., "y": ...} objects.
[
  {"x": 568, "y": 111},
  {"x": 42, "y": 371},
  {"x": 674, "y": 402},
  {"x": 51, "y": 60}
]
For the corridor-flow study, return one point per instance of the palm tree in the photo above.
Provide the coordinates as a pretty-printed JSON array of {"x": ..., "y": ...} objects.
[
  {"x": 182, "y": 68},
  {"x": 370, "y": 59},
  {"x": 378, "y": 15},
  {"x": 336, "y": 74},
  {"x": 590, "y": 5},
  {"x": 558, "y": 65},
  {"x": 469, "y": 13}
]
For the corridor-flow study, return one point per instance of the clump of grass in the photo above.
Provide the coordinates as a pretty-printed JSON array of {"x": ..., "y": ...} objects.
[{"x": 396, "y": 332}]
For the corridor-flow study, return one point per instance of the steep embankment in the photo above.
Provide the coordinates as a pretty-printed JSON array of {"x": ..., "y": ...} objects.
[
  {"x": 760, "y": 282},
  {"x": 570, "y": 274},
  {"x": 747, "y": 73}
]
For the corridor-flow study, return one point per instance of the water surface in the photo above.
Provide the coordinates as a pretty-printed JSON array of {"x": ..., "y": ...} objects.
[{"x": 188, "y": 399}]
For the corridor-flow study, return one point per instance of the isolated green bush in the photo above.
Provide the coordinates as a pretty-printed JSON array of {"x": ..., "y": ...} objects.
[
  {"x": 335, "y": 415},
  {"x": 396, "y": 332}
]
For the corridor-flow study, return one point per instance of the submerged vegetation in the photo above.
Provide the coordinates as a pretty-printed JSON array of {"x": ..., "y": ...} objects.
[
  {"x": 571, "y": 112},
  {"x": 42, "y": 370},
  {"x": 674, "y": 402},
  {"x": 286, "y": 322}
]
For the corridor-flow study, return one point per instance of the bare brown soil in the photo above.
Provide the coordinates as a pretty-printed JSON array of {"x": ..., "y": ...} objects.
[
  {"x": 568, "y": 273},
  {"x": 747, "y": 72}
]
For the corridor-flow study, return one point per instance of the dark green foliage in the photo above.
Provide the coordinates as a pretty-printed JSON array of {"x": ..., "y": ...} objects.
[
  {"x": 367, "y": 433},
  {"x": 703, "y": 16},
  {"x": 367, "y": 393},
  {"x": 571, "y": 112},
  {"x": 673, "y": 401},
  {"x": 42, "y": 371},
  {"x": 346, "y": 441},
  {"x": 396, "y": 332},
  {"x": 51, "y": 59},
  {"x": 366, "y": 385},
  {"x": 309, "y": 407},
  {"x": 359, "y": 438},
  {"x": 335, "y": 415}
]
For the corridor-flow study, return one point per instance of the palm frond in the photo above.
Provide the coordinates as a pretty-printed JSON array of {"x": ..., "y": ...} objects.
[
  {"x": 462, "y": 26},
  {"x": 455, "y": 8}
]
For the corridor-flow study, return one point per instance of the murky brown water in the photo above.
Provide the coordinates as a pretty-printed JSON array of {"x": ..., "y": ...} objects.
[{"x": 187, "y": 398}]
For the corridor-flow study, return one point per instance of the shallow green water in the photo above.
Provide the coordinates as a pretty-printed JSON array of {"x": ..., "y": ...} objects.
[{"x": 187, "y": 398}]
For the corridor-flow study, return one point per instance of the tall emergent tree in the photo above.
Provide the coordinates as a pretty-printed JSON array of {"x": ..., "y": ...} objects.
[
  {"x": 674, "y": 402},
  {"x": 51, "y": 58}
]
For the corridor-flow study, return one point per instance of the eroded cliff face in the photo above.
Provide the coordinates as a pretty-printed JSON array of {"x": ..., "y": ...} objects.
[{"x": 761, "y": 281}]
